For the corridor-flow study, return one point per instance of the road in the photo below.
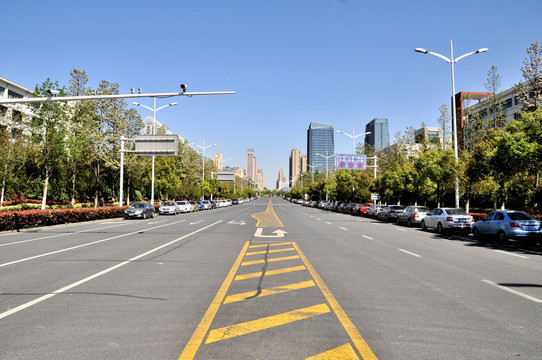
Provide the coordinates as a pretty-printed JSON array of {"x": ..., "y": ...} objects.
[{"x": 266, "y": 279}]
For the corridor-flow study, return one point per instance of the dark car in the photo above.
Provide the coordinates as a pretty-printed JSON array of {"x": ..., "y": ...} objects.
[
  {"x": 412, "y": 215},
  {"x": 139, "y": 210},
  {"x": 503, "y": 225},
  {"x": 390, "y": 212}
]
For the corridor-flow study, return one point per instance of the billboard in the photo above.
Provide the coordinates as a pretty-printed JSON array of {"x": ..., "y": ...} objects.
[
  {"x": 351, "y": 161},
  {"x": 157, "y": 145}
]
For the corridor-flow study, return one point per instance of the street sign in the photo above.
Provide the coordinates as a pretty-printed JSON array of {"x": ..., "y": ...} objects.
[
  {"x": 157, "y": 145},
  {"x": 351, "y": 161},
  {"x": 225, "y": 176},
  {"x": 374, "y": 196}
]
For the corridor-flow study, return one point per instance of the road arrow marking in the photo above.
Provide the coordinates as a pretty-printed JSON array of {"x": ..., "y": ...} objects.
[{"x": 278, "y": 233}]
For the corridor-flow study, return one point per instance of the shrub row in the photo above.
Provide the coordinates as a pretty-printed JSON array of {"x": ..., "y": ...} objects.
[{"x": 14, "y": 220}]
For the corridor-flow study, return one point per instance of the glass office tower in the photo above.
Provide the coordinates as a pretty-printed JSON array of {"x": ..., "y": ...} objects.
[
  {"x": 379, "y": 136},
  {"x": 320, "y": 139}
]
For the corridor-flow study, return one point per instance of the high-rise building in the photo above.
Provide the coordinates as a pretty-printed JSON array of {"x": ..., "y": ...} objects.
[
  {"x": 304, "y": 163},
  {"x": 320, "y": 140},
  {"x": 295, "y": 166},
  {"x": 251, "y": 165},
  {"x": 218, "y": 161},
  {"x": 281, "y": 181},
  {"x": 260, "y": 179},
  {"x": 379, "y": 136}
]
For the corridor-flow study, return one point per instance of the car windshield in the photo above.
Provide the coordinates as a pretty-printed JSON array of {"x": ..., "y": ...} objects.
[
  {"x": 422, "y": 209},
  {"x": 138, "y": 205},
  {"x": 520, "y": 216},
  {"x": 169, "y": 204},
  {"x": 181, "y": 202}
]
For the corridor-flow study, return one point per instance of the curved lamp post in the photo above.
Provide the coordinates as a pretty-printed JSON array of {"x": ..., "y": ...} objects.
[
  {"x": 452, "y": 61},
  {"x": 353, "y": 136},
  {"x": 203, "y": 148}
]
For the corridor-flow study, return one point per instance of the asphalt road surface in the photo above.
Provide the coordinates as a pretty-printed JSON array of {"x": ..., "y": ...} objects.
[{"x": 266, "y": 279}]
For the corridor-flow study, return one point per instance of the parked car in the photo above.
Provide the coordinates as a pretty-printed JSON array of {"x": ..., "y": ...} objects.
[
  {"x": 184, "y": 206},
  {"x": 412, "y": 215},
  {"x": 374, "y": 210},
  {"x": 444, "y": 219},
  {"x": 360, "y": 209},
  {"x": 389, "y": 213},
  {"x": 206, "y": 205},
  {"x": 168, "y": 207},
  {"x": 195, "y": 205},
  {"x": 139, "y": 210},
  {"x": 503, "y": 225}
]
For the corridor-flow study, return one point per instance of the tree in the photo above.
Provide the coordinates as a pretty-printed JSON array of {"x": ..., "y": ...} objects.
[
  {"x": 444, "y": 121},
  {"x": 496, "y": 116},
  {"x": 530, "y": 91},
  {"x": 48, "y": 128}
]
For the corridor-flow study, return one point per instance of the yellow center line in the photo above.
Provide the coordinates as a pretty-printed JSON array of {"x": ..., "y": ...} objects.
[
  {"x": 195, "y": 341},
  {"x": 248, "y": 327}
]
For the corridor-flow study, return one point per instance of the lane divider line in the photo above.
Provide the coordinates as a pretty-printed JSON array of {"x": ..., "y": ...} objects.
[
  {"x": 92, "y": 277},
  {"x": 87, "y": 244},
  {"x": 409, "y": 253},
  {"x": 515, "y": 292}
]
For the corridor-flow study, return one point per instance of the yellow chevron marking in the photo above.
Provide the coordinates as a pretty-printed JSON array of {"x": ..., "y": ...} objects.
[
  {"x": 269, "y": 322},
  {"x": 265, "y": 245},
  {"x": 255, "y": 262},
  {"x": 270, "y": 251},
  {"x": 270, "y": 291},
  {"x": 270, "y": 272},
  {"x": 343, "y": 352}
]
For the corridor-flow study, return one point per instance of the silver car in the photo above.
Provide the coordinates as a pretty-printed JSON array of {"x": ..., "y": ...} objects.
[
  {"x": 412, "y": 215},
  {"x": 450, "y": 219},
  {"x": 168, "y": 207},
  {"x": 184, "y": 206},
  {"x": 374, "y": 210}
]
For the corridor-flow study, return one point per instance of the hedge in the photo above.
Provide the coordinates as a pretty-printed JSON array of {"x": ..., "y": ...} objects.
[{"x": 15, "y": 220}]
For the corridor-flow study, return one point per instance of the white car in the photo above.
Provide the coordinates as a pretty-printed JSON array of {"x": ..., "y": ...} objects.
[
  {"x": 184, "y": 206},
  {"x": 447, "y": 219},
  {"x": 168, "y": 207}
]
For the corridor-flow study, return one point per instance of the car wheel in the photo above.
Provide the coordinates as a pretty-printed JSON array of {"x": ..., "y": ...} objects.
[
  {"x": 424, "y": 228},
  {"x": 440, "y": 229},
  {"x": 476, "y": 233},
  {"x": 144, "y": 215},
  {"x": 409, "y": 223},
  {"x": 501, "y": 236}
]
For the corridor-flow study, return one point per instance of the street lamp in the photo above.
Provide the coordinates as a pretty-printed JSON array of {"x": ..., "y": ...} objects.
[
  {"x": 154, "y": 110},
  {"x": 451, "y": 61},
  {"x": 353, "y": 136},
  {"x": 327, "y": 161},
  {"x": 203, "y": 148}
]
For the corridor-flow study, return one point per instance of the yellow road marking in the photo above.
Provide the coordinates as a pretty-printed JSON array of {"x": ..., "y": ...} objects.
[
  {"x": 270, "y": 272},
  {"x": 195, "y": 341},
  {"x": 265, "y": 245},
  {"x": 255, "y": 262},
  {"x": 357, "y": 339},
  {"x": 343, "y": 352},
  {"x": 270, "y": 251},
  {"x": 268, "y": 218},
  {"x": 270, "y": 291},
  {"x": 248, "y": 327}
]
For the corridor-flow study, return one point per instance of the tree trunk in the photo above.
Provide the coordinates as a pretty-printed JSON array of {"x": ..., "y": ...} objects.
[
  {"x": 74, "y": 177},
  {"x": 97, "y": 174},
  {"x": 5, "y": 175},
  {"x": 45, "y": 188}
]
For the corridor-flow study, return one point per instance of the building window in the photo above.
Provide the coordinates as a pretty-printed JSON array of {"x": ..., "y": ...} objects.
[
  {"x": 14, "y": 95},
  {"x": 507, "y": 104}
]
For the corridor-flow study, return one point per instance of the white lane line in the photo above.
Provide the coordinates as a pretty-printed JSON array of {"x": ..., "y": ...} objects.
[
  {"x": 409, "y": 253},
  {"x": 77, "y": 283},
  {"x": 327, "y": 222},
  {"x": 523, "y": 295},
  {"x": 57, "y": 235},
  {"x": 367, "y": 237},
  {"x": 317, "y": 219},
  {"x": 345, "y": 229},
  {"x": 399, "y": 229},
  {"x": 508, "y": 253},
  {"x": 84, "y": 245}
]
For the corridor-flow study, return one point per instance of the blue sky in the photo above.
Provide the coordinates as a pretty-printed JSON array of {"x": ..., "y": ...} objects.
[{"x": 339, "y": 62}]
